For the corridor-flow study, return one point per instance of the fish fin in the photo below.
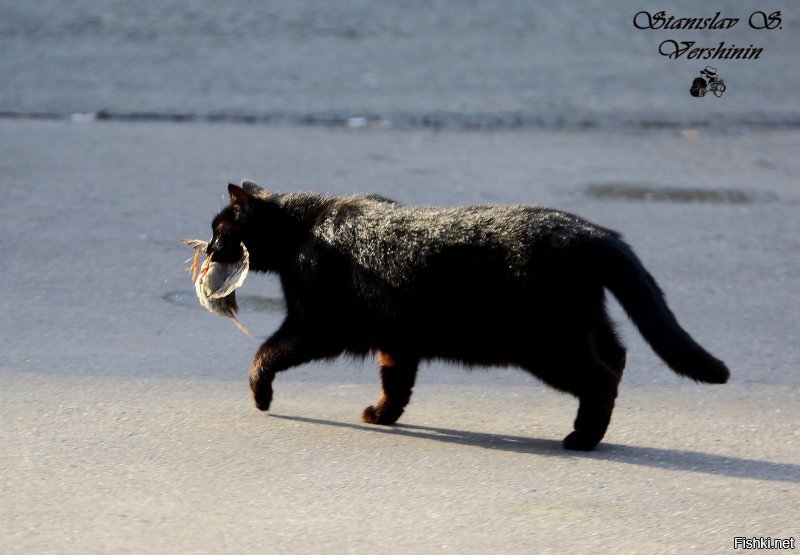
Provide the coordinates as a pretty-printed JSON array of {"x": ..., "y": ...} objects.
[{"x": 195, "y": 243}]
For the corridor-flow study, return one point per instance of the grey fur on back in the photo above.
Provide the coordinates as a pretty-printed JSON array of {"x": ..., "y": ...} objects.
[{"x": 396, "y": 240}]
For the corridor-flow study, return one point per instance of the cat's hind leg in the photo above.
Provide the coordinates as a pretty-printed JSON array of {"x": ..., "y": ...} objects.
[
  {"x": 605, "y": 344},
  {"x": 398, "y": 374},
  {"x": 594, "y": 413},
  {"x": 599, "y": 375}
]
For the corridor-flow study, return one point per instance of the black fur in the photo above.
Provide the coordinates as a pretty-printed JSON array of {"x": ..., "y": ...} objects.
[{"x": 479, "y": 285}]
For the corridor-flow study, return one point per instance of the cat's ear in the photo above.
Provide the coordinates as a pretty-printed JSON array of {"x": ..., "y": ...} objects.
[
  {"x": 254, "y": 188},
  {"x": 240, "y": 199}
]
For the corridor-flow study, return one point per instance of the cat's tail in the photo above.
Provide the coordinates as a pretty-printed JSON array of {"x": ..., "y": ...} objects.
[{"x": 639, "y": 294}]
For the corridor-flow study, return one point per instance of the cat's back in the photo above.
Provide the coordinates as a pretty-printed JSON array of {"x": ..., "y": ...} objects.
[
  {"x": 400, "y": 242},
  {"x": 364, "y": 220}
]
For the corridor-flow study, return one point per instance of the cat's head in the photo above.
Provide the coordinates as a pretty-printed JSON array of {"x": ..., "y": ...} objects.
[
  {"x": 256, "y": 219},
  {"x": 233, "y": 225},
  {"x": 273, "y": 226}
]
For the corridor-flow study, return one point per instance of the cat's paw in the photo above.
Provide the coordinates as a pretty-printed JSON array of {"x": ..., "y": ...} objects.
[
  {"x": 577, "y": 442},
  {"x": 372, "y": 416},
  {"x": 261, "y": 393}
]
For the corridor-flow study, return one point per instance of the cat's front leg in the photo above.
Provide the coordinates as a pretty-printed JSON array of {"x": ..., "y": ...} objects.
[
  {"x": 289, "y": 346},
  {"x": 398, "y": 374}
]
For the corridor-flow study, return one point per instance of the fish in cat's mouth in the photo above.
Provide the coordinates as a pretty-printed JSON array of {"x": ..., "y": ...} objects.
[{"x": 215, "y": 282}]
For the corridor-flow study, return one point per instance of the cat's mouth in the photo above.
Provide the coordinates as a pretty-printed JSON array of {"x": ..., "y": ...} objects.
[{"x": 247, "y": 303}]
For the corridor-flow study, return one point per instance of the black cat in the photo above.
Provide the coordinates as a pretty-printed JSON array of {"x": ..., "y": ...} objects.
[{"x": 480, "y": 285}]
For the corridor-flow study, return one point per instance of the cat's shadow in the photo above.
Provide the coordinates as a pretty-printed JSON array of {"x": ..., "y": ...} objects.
[{"x": 669, "y": 459}]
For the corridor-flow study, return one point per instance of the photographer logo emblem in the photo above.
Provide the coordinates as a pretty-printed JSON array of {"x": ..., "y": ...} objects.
[{"x": 708, "y": 82}]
